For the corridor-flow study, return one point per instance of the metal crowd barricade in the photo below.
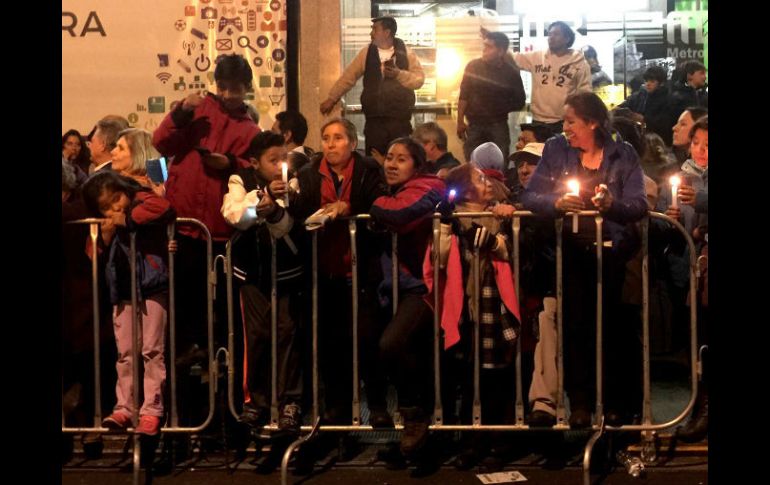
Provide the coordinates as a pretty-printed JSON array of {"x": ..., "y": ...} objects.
[
  {"x": 648, "y": 428},
  {"x": 136, "y": 318}
]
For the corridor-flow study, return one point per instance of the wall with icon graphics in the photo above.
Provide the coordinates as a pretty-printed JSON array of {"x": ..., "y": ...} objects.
[{"x": 138, "y": 59}]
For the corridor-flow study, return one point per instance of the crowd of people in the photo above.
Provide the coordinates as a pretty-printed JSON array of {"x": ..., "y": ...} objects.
[{"x": 260, "y": 189}]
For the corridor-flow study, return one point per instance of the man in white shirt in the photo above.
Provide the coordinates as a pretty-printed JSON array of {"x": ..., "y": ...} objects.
[{"x": 391, "y": 74}]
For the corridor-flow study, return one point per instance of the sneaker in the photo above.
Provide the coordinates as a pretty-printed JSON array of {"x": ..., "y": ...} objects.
[
  {"x": 148, "y": 425},
  {"x": 415, "y": 430},
  {"x": 290, "y": 418},
  {"x": 541, "y": 419},
  {"x": 116, "y": 421},
  {"x": 379, "y": 418},
  {"x": 253, "y": 416}
]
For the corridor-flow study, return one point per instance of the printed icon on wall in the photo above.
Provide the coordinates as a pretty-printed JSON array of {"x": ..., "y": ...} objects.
[
  {"x": 162, "y": 60},
  {"x": 251, "y": 20},
  {"x": 235, "y": 22},
  {"x": 132, "y": 118},
  {"x": 156, "y": 104},
  {"x": 279, "y": 55},
  {"x": 181, "y": 85},
  {"x": 164, "y": 77},
  {"x": 265, "y": 82},
  {"x": 208, "y": 13},
  {"x": 197, "y": 33},
  {"x": 202, "y": 62},
  {"x": 262, "y": 41},
  {"x": 180, "y": 25},
  {"x": 224, "y": 44},
  {"x": 189, "y": 10},
  {"x": 275, "y": 5},
  {"x": 196, "y": 84}
]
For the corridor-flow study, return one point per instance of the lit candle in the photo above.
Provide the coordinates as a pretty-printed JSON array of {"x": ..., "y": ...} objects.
[
  {"x": 452, "y": 195},
  {"x": 675, "y": 181},
  {"x": 574, "y": 189},
  {"x": 285, "y": 178}
]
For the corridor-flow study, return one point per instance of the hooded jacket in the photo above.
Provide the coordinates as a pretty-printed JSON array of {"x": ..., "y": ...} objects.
[{"x": 553, "y": 79}]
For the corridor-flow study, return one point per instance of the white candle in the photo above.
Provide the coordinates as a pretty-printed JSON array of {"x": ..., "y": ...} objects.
[
  {"x": 675, "y": 181},
  {"x": 285, "y": 178},
  {"x": 452, "y": 195},
  {"x": 574, "y": 189}
]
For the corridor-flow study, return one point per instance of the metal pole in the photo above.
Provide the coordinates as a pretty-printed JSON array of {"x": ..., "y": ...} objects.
[
  {"x": 647, "y": 403},
  {"x": 560, "y": 410},
  {"x": 315, "y": 326},
  {"x": 438, "y": 412},
  {"x": 170, "y": 233},
  {"x": 230, "y": 329},
  {"x": 210, "y": 293},
  {"x": 135, "y": 355},
  {"x": 599, "y": 312},
  {"x": 517, "y": 288},
  {"x": 476, "y": 342},
  {"x": 94, "y": 228},
  {"x": 273, "y": 332},
  {"x": 356, "y": 411}
]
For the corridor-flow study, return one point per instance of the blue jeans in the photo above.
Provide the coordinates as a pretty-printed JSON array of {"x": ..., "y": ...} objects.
[{"x": 478, "y": 133}]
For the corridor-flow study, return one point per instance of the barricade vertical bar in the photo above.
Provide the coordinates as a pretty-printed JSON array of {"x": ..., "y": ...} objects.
[
  {"x": 94, "y": 228},
  {"x": 394, "y": 259},
  {"x": 476, "y": 341},
  {"x": 599, "y": 316},
  {"x": 694, "y": 275},
  {"x": 170, "y": 233},
  {"x": 356, "y": 411},
  {"x": 273, "y": 333},
  {"x": 517, "y": 289},
  {"x": 560, "y": 411},
  {"x": 135, "y": 354},
  {"x": 438, "y": 412},
  {"x": 315, "y": 326},
  {"x": 230, "y": 330},
  {"x": 647, "y": 402},
  {"x": 213, "y": 363}
]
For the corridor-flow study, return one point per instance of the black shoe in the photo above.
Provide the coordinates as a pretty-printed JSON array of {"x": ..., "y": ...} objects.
[
  {"x": 615, "y": 417},
  {"x": 379, "y": 418},
  {"x": 93, "y": 446},
  {"x": 392, "y": 456},
  {"x": 466, "y": 460},
  {"x": 253, "y": 416},
  {"x": 697, "y": 427},
  {"x": 290, "y": 419},
  {"x": 541, "y": 419},
  {"x": 415, "y": 430},
  {"x": 580, "y": 418}
]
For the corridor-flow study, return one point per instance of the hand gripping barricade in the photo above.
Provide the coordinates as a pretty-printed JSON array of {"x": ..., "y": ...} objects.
[
  {"x": 136, "y": 322},
  {"x": 648, "y": 428}
]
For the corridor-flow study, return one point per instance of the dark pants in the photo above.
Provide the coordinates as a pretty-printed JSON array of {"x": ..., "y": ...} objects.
[
  {"x": 406, "y": 349},
  {"x": 335, "y": 348},
  {"x": 379, "y": 132},
  {"x": 257, "y": 321},
  {"x": 190, "y": 280},
  {"x": 478, "y": 133},
  {"x": 620, "y": 336}
]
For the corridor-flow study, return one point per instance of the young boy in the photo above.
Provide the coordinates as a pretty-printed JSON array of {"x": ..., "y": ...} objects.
[
  {"x": 254, "y": 204},
  {"x": 206, "y": 135}
]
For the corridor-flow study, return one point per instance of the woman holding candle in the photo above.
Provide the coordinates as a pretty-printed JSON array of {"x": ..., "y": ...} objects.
[
  {"x": 253, "y": 204},
  {"x": 610, "y": 181},
  {"x": 688, "y": 202}
]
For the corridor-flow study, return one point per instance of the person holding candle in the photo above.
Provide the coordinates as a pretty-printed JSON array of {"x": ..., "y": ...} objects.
[
  {"x": 254, "y": 204},
  {"x": 690, "y": 207},
  {"x": 611, "y": 181}
]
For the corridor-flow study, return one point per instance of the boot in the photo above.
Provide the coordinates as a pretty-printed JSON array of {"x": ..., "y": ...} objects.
[
  {"x": 698, "y": 426},
  {"x": 415, "y": 430}
]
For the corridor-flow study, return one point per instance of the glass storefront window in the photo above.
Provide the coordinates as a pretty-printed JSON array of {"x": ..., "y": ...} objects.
[{"x": 628, "y": 36}]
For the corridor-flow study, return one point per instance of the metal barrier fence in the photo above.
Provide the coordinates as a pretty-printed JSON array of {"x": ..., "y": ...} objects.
[
  {"x": 136, "y": 318},
  {"x": 648, "y": 428}
]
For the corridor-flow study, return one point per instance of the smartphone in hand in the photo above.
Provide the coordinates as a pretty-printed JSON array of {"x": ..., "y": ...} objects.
[{"x": 156, "y": 170}]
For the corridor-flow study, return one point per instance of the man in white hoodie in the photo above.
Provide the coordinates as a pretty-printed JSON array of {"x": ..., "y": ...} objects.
[{"x": 556, "y": 73}]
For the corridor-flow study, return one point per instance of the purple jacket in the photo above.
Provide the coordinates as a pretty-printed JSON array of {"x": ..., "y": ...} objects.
[{"x": 620, "y": 170}]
